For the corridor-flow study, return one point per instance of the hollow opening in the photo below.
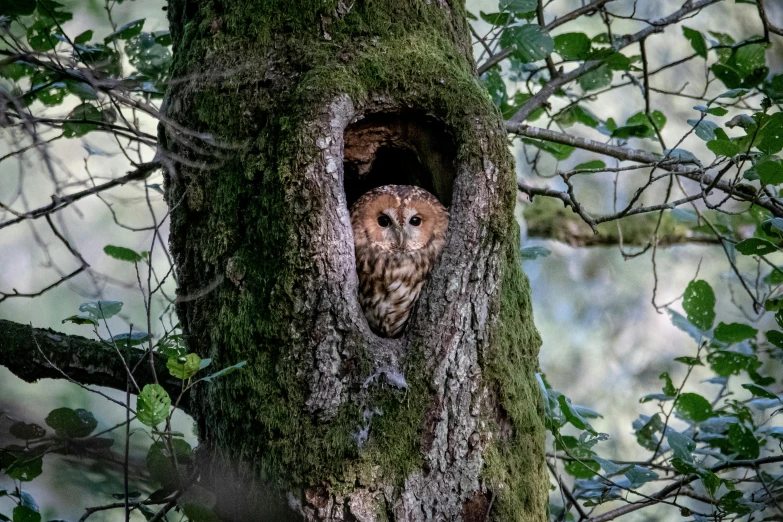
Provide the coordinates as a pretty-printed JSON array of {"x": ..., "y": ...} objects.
[{"x": 404, "y": 148}]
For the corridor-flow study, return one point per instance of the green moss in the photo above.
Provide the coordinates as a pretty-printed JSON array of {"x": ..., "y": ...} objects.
[
  {"x": 548, "y": 218},
  {"x": 243, "y": 84},
  {"x": 514, "y": 467}
]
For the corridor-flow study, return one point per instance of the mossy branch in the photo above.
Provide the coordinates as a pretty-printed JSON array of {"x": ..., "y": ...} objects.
[
  {"x": 547, "y": 218},
  {"x": 41, "y": 353}
]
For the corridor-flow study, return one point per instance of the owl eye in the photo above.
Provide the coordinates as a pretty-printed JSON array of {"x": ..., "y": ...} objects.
[
  {"x": 383, "y": 221},
  {"x": 415, "y": 221}
]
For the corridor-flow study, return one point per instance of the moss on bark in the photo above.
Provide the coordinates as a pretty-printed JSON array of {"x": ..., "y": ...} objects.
[{"x": 261, "y": 78}]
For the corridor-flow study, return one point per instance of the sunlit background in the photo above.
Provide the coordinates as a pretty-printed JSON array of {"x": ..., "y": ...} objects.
[{"x": 604, "y": 345}]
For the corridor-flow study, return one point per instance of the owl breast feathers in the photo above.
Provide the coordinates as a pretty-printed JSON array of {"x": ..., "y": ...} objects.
[{"x": 399, "y": 232}]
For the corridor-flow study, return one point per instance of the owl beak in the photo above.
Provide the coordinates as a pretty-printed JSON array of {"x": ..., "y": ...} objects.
[{"x": 399, "y": 234}]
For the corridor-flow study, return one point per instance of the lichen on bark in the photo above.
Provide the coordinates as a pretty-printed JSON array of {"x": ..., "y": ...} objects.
[{"x": 441, "y": 424}]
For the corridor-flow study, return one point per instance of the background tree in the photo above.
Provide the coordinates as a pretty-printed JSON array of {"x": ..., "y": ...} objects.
[{"x": 264, "y": 110}]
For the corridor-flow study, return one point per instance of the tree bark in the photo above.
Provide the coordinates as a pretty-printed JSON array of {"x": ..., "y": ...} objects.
[{"x": 282, "y": 112}]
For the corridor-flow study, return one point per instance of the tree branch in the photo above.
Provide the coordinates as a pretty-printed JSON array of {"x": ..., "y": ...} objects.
[
  {"x": 83, "y": 360},
  {"x": 672, "y": 488},
  {"x": 540, "y": 98},
  {"x": 627, "y": 154},
  {"x": 547, "y": 219},
  {"x": 576, "y": 13},
  {"x": 60, "y": 202}
]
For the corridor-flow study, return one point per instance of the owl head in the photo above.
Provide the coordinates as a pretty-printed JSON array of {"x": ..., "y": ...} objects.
[{"x": 398, "y": 219}]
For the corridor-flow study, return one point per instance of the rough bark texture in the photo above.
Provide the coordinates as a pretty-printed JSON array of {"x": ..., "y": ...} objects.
[
  {"x": 442, "y": 424},
  {"x": 41, "y": 353}
]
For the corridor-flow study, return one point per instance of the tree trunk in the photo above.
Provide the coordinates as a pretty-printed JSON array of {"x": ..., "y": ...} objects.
[{"x": 281, "y": 113}]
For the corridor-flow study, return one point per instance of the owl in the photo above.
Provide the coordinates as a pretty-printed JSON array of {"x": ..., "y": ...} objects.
[{"x": 399, "y": 232}]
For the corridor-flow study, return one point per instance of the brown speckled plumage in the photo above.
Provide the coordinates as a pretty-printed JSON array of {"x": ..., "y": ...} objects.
[{"x": 394, "y": 260}]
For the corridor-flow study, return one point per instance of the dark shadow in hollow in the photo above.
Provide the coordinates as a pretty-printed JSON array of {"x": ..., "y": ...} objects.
[{"x": 402, "y": 148}]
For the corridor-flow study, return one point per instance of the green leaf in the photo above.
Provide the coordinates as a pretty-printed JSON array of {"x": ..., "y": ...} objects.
[
  {"x": 125, "y": 32},
  {"x": 705, "y": 129},
  {"x": 743, "y": 441},
  {"x": 699, "y": 304},
  {"x": 710, "y": 481},
  {"x": 577, "y": 114},
  {"x": 499, "y": 19},
  {"x": 727, "y": 75},
  {"x": 495, "y": 86},
  {"x": 26, "y": 468},
  {"x": 162, "y": 459},
  {"x": 683, "y": 324},
  {"x": 571, "y": 414},
  {"x": 594, "y": 164},
  {"x": 773, "y": 227},
  {"x": 775, "y": 277},
  {"x": 518, "y": 6},
  {"x": 162, "y": 38},
  {"x": 560, "y": 152},
  {"x": 639, "y": 475},
  {"x": 607, "y": 465},
  {"x": 747, "y": 59},
  {"x": 725, "y": 362},
  {"x": 633, "y": 131},
  {"x": 83, "y": 90},
  {"x": 130, "y": 339},
  {"x": 681, "y": 445},
  {"x": 693, "y": 407},
  {"x": 584, "y": 469},
  {"x": 618, "y": 62},
  {"x": 25, "y": 431},
  {"x": 760, "y": 391},
  {"x": 770, "y": 171},
  {"x": 769, "y": 139},
  {"x": 122, "y": 253},
  {"x": 723, "y": 39},
  {"x": 723, "y": 148},
  {"x": 81, "y": 319},
  {"x": 572, "y": 46},
  {"x": 645, "y": 429},
  {"x": 84, "y": 37},
  {"x": 734, "y": 332},
  {"x": 717, "y": 111},
  {"x": 71, "y": 424},
  {"x": 101, "y": 309},
  {"x": 596, "y": 79},
  {"x": 690, "y": 361},
  {"x": 529, "y": 43},
  {"x": 77, "y": 123},
  {"x": 668, "y": 387},
  {"x": 697, "y": 41},
  {"x": 17, "y": 7},
  {"x": 535, "y": 252},
  {"x": 184, "y": 367},
  {"x": 224, "y": 371},
  {"x": 755, "y": 246},
  {"x": 40, "y": 37},
  {"x": 775, "y": 337},
  {"x": 149, "y": 57},
  {"x": 683, "y": 156},
  {"x": 25, "y": 514},
  {"x": 152, "y": 405},
  {"x": 641, "y": 118}
]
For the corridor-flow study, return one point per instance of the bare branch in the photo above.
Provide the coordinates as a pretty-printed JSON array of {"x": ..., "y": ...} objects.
[{"x": 60, "y": 202}]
